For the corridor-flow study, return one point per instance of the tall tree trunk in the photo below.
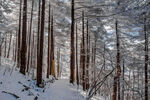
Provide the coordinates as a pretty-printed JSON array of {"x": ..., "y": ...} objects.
[
  {"x": 5, "y": 46},
  {"x": 117, "y": 78},
  {"x": 118, "y": 88},
  {"x": 8, "y": 52},
  {"x": 58, "y": 63},
  {"x": 13, "y": 44},
  {"x": 77, "y": 72},
  {"x": 83, "y": 54},
  {"x": 30, "y": 31},
  {"x": 48, "y": 49},
  {"x": 123, "y": 80},
  {"x": 19, "y": 36},
  {"x": 87, "y": 61},
  {"x": 94, "y": 65},
  {"x": 52, "y": 65},
  {"x": 32, "y": 52},
  {"x": 16, "y": 47},
  {"x": 40, "y": 59},
  {"x": 115, "y": 89},
  {"x": 146, "y": 60},
  {"x": 72, "y": 58},
  {"x": 81, "y": 61},
  {"x": 24, "y": 32},
  {"x": 38, "y": 33}
]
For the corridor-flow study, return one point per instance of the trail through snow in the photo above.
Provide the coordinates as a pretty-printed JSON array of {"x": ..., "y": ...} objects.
[{"x": 62, "y": 90}]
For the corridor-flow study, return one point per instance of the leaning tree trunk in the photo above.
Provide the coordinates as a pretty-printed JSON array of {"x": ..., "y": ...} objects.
[{"x": 24, "y": 32}]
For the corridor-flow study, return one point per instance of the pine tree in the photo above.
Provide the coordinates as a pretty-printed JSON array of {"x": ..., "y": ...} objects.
[
  {"x": 48, "y": 49},
  {"x": 52, "y": 59},
  {"x": 117, "y": 78},
  {"x": 77, "y": 70},
  {"x": 146, "y": 60},
  {"x": 24, "y": 32},
  {"x": 83, "y": 54},
  {"x": 72, "y": 55},
  {"x": 30, "y": 31},
  {"x": 8, "y": 52},
  {"x": 19, "y": 36},
  {"x": 58, "y": 63},
  {"x": 40, "y": 58},
  {"x": 87, "y": 57}
]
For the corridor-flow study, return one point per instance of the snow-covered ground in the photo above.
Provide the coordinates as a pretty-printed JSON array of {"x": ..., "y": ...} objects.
[{"x": 15, "y": 86}]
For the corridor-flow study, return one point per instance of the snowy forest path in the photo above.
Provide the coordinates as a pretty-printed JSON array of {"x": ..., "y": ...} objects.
[{"x": 62, "y": 90}]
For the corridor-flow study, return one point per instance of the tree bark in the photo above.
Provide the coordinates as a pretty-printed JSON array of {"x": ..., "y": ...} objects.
[
  {"x": 5, "y": 46},
  {"x": 52, "y": 60},
  {"x": 8, "y": 52},
  {"x": 40, "y": 59},
  {"x": 117, "y": 78},
  {"x": 83, "y": 54},
  {"x": 77, "y": 72},
  {"x": 146, "y": 60},
  {"x": 88, "y": 57},
  {"x": 38, "y": 33},
  {"x": 58, "y": 63},
  {"x": 30, "y": 31},
  {"x": 48, "y": 49},
  {"x": 72, "y": 58},
  {"x": 24, "y": 32},
  {"x": 19, "y": 36}
]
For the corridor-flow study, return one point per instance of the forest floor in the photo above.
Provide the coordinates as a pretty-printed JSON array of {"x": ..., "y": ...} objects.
[{"x": 15, "y": 86}]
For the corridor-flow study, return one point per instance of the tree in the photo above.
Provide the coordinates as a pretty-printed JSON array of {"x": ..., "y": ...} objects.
[
  {"x": 40, "y": 58},
  {"x": 117, "y": 78},
  {"x": 48, "y": 49},
  {"x": 30, "y": 31},
  {"x": 58, "y": 63},
  {"x": 72, "y": 58},
  {"x": 146, "y": 60},
  {"x": 83, "y": 54},
  {"x": 24, "y": 32},
  {"x": 77, "y": 70},
  {"x": 52, "y": 59},
  {"x": 87, "y": 57},
  {"x": 19, "y": 35},
  {"x": 8, "y": 52}
]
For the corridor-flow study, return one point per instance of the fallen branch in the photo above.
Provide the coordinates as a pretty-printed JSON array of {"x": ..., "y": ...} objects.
[
  {"x": 90, "y": 95},
  {"x": 11, "y": 94}
]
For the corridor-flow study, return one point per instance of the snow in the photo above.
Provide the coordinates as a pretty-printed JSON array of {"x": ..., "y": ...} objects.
[
  {"x": 13, "y": 83},
  {"x": 25, "y": 88},
  {"x": 62, "y": 90}
]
